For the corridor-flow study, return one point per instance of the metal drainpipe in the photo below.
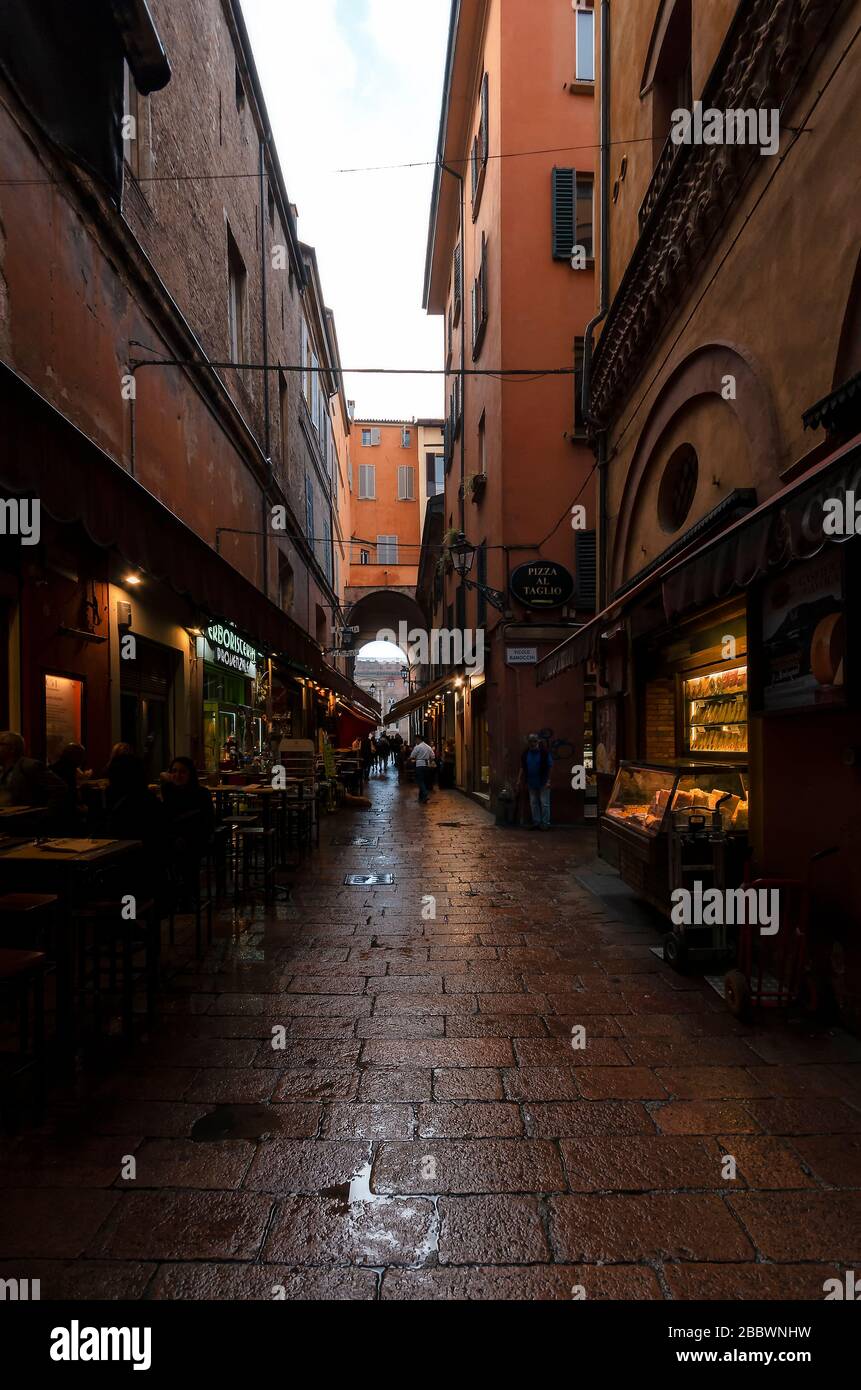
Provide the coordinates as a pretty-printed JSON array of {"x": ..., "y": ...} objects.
[
  {"x": 601, "y": 451},
  {"x": 462, "y": 506},
  {"x": 267, "y": 423}
]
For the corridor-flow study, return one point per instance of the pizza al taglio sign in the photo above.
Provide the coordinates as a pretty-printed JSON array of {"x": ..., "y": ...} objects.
[
  {"x": 542, "y": 584},
  {"x": 230, "y": 650}
]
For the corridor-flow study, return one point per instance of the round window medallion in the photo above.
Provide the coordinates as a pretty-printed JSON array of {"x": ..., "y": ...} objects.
[{"x": 678, "y": 488}]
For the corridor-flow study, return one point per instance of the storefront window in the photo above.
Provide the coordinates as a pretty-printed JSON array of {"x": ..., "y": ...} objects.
[
  {"x": 233, "y": 728},
  {"x": 715, "y": 710}
]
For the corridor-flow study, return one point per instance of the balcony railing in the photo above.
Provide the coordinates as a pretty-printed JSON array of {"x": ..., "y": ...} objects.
[{"x": 659, "y": 179}]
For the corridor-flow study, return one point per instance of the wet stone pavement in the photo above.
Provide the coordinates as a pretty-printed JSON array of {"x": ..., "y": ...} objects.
[{"x": 425, "y": 1129}]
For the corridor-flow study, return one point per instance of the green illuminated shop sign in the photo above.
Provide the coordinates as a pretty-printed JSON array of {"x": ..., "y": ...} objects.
[{"x": 230, "y": 650}]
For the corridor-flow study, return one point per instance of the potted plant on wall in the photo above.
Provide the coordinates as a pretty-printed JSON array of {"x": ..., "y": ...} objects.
[
  {"x": 445, "y": 564},
  {"x": 474, "y": 485}
]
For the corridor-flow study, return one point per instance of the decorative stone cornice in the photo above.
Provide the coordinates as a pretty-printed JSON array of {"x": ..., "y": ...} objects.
[{"x": 758, "y": 67}]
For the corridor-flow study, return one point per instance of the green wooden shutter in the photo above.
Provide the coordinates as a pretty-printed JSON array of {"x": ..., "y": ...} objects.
[{"x": 564, "y": 225}]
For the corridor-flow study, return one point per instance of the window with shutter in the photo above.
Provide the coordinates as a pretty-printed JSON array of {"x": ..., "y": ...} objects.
[
  {"x": 579, "y": 414},
  {"x": 327, "y": 548},
  {"x": 367, "y": 481},
  {"x": 309, "y": 509},
  {"x": 305, "y": 350},
  {"x": 584, "y": 235},
  {"x": 315, "y": 391},
  {"x": 586, "y": 569},
  {"x": 406, "y": 438},
  {"x": 485, "y": 119},
  {"x": 480, "y": 301},
  {"x": 350, "y": 475},
  {"x": 563, "y": 214},
  {"x": 585, "y": 38},
  {"x": 406, "y": 483},
  {"x": 387, "y": 550},
  {"x": 458, "y": 284},
  {"x": 237, "y": 286},
  {"x": 376, "y": 436}
]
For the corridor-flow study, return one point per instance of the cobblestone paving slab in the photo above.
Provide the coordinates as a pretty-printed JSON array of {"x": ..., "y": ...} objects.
[{"x": 413, "y": 1121}]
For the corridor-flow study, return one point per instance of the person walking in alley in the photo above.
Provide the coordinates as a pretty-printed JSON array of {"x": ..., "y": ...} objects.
[
  {"x": 423, "y": 757},
  {"x": 535, "y": 768},
  {"x": 367, "y": 753}
]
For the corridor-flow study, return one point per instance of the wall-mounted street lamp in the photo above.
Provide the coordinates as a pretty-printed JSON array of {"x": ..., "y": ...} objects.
[{"x": 463, "y": 557}]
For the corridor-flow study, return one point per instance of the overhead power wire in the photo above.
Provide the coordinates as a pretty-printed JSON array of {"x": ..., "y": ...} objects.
[
  {"x": 201, "y": 176},
  {"x": 500, "y": 373}
]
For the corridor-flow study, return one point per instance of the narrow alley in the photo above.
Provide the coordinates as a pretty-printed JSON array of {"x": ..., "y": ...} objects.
[{"x": 423, "y": 1126}]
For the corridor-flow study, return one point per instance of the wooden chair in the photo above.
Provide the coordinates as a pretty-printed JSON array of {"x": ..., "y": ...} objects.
[{"x": 110, "y": 948}]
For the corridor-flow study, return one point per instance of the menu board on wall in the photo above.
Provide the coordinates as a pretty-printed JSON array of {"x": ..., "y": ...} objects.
[
  {"x": 64, "y": 697},
  {"x": 804, "y": 635},
  {"x": 606, "y": 735}
]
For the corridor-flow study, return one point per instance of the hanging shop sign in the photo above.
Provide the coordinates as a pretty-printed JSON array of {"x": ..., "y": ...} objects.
[
  {"x": 231, "y": 651},
  {"x": 542, "y": 584}
]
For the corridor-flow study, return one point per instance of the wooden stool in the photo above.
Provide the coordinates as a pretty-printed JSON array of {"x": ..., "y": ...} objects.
[
  {"x": 116, "y": 942},
  {"x": 254, "y": 838}
]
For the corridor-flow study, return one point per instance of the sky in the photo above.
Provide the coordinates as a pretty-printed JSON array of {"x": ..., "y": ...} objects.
[
  {"x": 382, "y": 651},
  {"x": 352, "y": 83}
]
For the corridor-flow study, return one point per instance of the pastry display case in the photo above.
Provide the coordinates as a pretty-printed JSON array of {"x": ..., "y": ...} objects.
[
  {"x": 634, "y": 829},
  {"x": 640, "y": 797},
  {"x": 715, "y": 713}
]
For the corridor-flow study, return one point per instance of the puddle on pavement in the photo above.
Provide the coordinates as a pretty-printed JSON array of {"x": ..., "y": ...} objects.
[
  {"x": 358, "y": 1189},
  {"x": 235, "y": 1122}
]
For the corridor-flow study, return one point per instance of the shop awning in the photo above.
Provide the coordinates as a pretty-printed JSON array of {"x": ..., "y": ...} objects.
[
  {"x": 786, "y": 528},
  {"x": 418, "y": 698},
  {"x": 356, "y": 712},
  {"x": 80, "y": 483},
  {"x": 358, "y": 699}
]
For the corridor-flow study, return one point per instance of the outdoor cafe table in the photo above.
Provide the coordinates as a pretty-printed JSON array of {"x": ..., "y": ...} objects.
[
  {"x": 38, "y": 866},
  {"x": 277, "y": 800}
]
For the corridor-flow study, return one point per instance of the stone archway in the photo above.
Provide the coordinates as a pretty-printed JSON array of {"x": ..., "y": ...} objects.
[{"x": 382, "y": 610}]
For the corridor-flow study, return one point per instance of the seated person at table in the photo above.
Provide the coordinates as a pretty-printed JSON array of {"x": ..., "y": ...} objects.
[
  {"x": 69, "y": 768},
  {"x": 134, "y": 813},
  {"x": 118, "y": 750},
  {"x": 190, "y": 822},
  {"x": 188, "y": 808},
  {"x": 26, "y": 782}
]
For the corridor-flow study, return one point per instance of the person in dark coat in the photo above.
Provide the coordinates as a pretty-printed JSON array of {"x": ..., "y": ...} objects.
[
  {"x": 535, "y": 767},
  {"x": 367, "y": 755},
  {"x": 188, "y": 807},
  {"x": 190, "y": 820},
  {"x": 68, "y": 767},
  {"x": 134, "y": 812}
]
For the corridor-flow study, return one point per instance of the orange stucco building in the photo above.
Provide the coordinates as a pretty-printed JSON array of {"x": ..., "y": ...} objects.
[
  {"x": 384, "y": 456},
  {"x": 517, "y": 126}
]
